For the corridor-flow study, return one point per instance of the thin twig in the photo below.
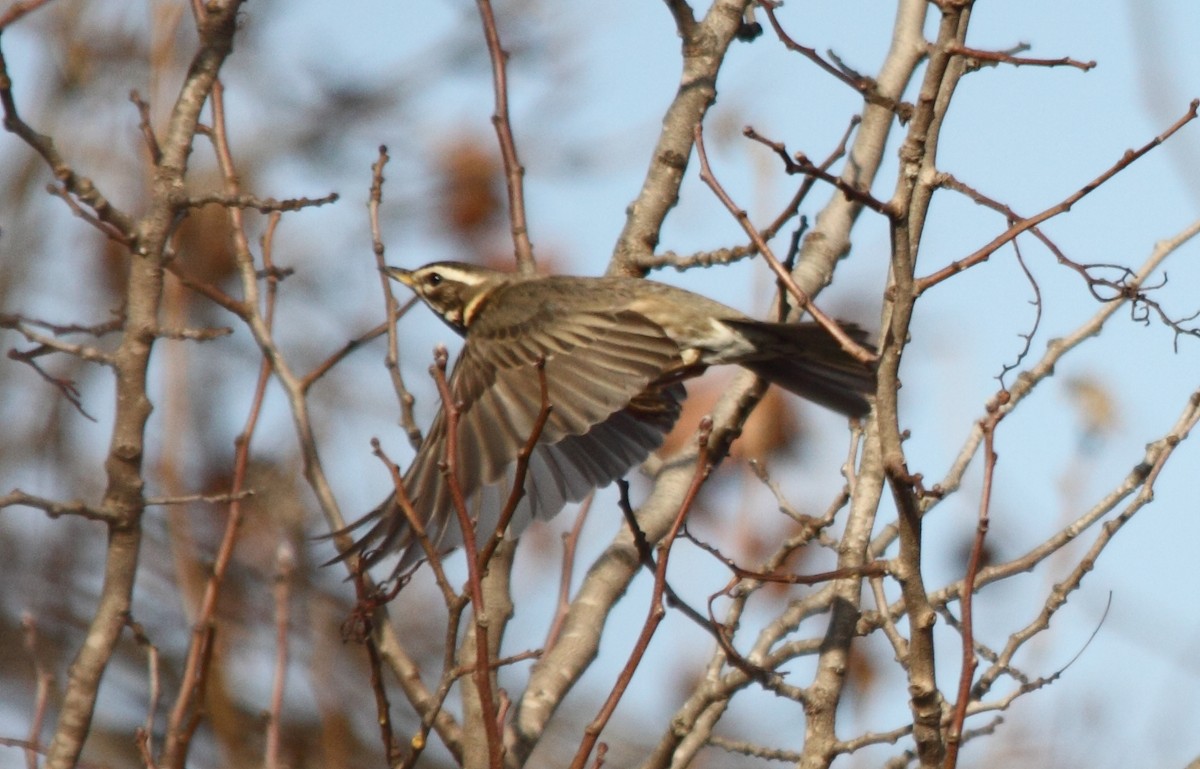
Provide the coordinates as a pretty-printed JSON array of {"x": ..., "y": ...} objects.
[
  {"x": 1003, "y": 57},
  {"x": 383, "y": 708},
  {"x": 656, "y": 611},
  {"x": 514, "y": 172},
  {"x": 19, "y": 9},
  {"x": 859, "y": 352},
  {"x": 55, "y": 509},
  {"x": 982, "y": 254},
  {"x": 659, "y": 260},
  {"x": 967, "y": 600},
  {"x": 392, "y": 360},
  {"x": 262, "y": 205},
  {"x": 145, "y": 736},
  {"x": 210, "y": 499},
  {"x": 481, "y": 675},
  {"x": 325, "y": 366},
  {"x": 66, "y": 387},
  {"x": 78, "y": 186},
  {"x": 44, "y": 679},
  {"x": 46, "y": 344},
  {"x": 800, "y": 164},
  {"x": 185, "y": 713},
  {"x": 517, "y": 491},
  {"x": 143, "y": 108},
  {"x": 866, "y": 86}
]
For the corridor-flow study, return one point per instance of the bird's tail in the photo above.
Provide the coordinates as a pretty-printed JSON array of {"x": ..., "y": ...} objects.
[{"x": 804, "y": 359}]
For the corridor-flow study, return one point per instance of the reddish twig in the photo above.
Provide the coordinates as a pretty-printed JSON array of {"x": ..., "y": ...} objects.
[
  {"x": 657, "y": 611},
  {"x": 19, "y": 9},
  {"x": 523, "y": 456},
  {"x": 864, "y": 85},
  {"x": 404, "y": 502},
  {"x": 982, "y": 254},
  {"x": 481, "y": 675},
  {"x": 800, "y": 164},
  {"x": 325, "y": 366},
  {"x": 601, "y": 752},
  {"x": 514, "y": 172},
  {"x": 186, "y": 712},
  {"x": 1004, "y": 57},
  {"x": 849, "y": 345},
  {"x": 970, "y": 662}
]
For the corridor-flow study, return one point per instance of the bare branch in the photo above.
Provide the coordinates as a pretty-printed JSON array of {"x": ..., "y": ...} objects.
[
  {"x": 19, "y": 9},
  {"x": 800, "y": 164},
  {"x": 849, "y": 345},
  {"x": 1004, "y": 57},
  {"x": 730, "y": 255},
  {"x": 982, "y": 254},
  {"x": 394, "y": 311},
  {"x": 210, "y": 499},
  {"x": 481, "y": 676},
  {"x": 514, "y": 172},
  {"x": 969, "y": 662},
  {"x": 866, "y": 86},
  {"x": 262, "y": 205},
  {"x": 656, "y": 612},
  {"x": 703, "y": 49},
  {"x": 78, "y": 186},
  {"x": 48, "y": 344}
]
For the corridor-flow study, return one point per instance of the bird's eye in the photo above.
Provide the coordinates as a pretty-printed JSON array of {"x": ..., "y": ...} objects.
[{"x": 434, "y": 279}]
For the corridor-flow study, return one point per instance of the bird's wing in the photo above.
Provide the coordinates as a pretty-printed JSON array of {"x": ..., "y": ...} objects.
[
  {"x": 608, "y": 412},
  {"x": 595, "y": 364}
]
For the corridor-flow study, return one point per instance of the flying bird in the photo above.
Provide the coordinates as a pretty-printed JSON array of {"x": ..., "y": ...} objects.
[{"x": 615, "y": 352}]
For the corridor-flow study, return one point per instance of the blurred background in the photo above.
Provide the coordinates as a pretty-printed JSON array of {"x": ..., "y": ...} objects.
[{"x": 312, "y": 93}]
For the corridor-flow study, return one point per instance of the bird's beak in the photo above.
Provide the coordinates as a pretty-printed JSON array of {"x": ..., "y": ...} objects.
[{"x": 400, "y": 274}]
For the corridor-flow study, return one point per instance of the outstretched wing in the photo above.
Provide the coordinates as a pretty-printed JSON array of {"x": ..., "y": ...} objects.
[{"x": 609, "y": 410}]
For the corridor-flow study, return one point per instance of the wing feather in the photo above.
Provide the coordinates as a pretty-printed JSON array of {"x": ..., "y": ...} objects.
[{"x": 608, "y": 413}]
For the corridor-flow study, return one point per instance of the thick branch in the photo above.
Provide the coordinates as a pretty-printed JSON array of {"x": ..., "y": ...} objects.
[{"x": 123, "y": 499}]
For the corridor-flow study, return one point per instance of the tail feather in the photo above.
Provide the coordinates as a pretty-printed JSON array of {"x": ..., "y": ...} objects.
[{"x": 804, "y": 359}]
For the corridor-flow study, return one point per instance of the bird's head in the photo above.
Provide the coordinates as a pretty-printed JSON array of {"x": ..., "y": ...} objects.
[{"x": 451, "y": 289}]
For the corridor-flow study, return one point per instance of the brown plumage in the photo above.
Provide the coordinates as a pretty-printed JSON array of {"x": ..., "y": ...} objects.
[{"x": 616, "y": 352}]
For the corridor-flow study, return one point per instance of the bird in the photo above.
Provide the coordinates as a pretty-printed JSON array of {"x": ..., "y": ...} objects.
[{"x": 613, "y": 354}]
